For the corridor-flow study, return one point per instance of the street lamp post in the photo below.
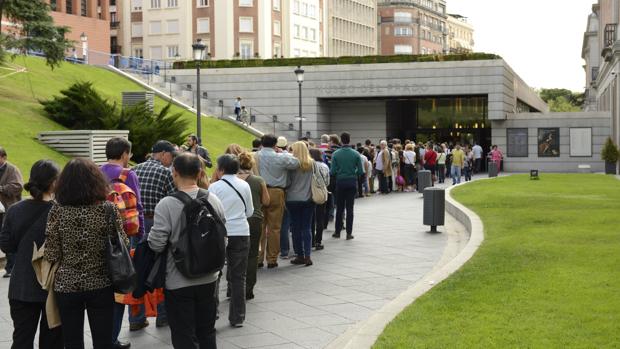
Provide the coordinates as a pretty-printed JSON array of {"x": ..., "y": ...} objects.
[
  {"x": 198, "y": 48},
  {"x": 84, "y": 40},
  {"x": 299, "y": 73}
]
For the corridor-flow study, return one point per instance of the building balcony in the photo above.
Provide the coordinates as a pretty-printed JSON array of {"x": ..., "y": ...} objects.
[{"x": 115, "y": 25}]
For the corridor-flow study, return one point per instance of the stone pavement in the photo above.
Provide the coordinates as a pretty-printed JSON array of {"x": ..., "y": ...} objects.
[{"x": 309, "y": 307}]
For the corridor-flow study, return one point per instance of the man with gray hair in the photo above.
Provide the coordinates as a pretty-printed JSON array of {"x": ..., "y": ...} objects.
[{"x": 11, "y": 185}]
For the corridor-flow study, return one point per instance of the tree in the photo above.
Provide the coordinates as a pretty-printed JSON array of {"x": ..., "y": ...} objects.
[
  {"x": 562, "y": 100},
  {"x": 34, "y": 30}
]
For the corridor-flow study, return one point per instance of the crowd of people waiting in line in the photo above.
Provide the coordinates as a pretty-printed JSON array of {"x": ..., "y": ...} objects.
[{"x": 264, "y": 196}]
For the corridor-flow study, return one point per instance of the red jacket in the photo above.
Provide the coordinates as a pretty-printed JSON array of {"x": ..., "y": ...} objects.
[{"x": 430, "y": 157}]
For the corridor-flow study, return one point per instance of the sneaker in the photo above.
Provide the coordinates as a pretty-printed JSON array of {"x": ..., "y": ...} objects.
[
  {"x": 284, "y": 256},
  {"x": 336, "y": 235},
  {"x": 260, "y": 265},
  {"x": 121, "y": 345},
  {"x": 239, "y": 325},
  {"x": 350, "y": 237},
  {"x": 319, "y": 247},
  {"x": 272, "y": 265},
  {"x": 138, "y": 326},
  {"x": 249, "y": 295},
  {"x": 6, "y": 275},
  {"x": 298, "y": 261},
  {"x": 161, "y": 323}
]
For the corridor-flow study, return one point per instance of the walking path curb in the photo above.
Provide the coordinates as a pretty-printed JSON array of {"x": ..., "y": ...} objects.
[{"x": 365, "y": 334}]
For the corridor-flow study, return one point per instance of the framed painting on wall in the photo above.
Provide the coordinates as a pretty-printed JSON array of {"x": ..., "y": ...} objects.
[
  {"x": 581, "y": 142},
  {"x": 549, "y": 142}
]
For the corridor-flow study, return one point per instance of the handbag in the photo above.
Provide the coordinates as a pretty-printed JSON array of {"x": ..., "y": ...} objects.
[
  {"x": 318, "y": 186},
  {"x": 120, "y": 266}
]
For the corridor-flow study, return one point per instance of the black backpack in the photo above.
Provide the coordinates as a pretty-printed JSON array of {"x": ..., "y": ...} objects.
[{"x": 201, "y": 249}]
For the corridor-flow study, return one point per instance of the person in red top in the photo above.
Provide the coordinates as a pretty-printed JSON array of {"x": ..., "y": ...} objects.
[{"x": 430, "y": 161}]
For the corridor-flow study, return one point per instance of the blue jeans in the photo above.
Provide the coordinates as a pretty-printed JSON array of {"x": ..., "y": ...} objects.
[
  {"x": 285, "y": 233},
  {"x": 301, "y": 214},
  {"x": 161, "y": 308},
  {"x": 456, "y": 174}
]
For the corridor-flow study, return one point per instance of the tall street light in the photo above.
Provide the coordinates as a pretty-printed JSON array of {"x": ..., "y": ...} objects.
[
  {"x": 299, "y": 73},
  {"x": 84, "y": 40},
  {"x": 199, "y": 49}
]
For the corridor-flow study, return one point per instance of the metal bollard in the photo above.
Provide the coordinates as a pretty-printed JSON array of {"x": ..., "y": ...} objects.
[
  {"x": 434, "y": 208},
  {"x": 424, "y": 180}
]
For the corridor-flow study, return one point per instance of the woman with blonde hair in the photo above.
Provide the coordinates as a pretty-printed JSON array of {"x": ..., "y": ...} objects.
[{"x": 300, "y": 205}]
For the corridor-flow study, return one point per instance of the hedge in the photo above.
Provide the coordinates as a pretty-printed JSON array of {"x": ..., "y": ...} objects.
[{"x": 307, "y": 61}]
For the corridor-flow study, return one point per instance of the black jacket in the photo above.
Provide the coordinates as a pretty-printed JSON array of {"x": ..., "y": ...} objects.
[
  {"x": 24, "y": 223},
  {"x": 150, "y": 267}
]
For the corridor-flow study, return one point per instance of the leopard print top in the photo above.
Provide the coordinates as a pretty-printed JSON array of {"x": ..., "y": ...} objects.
[{"x": 76, "y": 238}]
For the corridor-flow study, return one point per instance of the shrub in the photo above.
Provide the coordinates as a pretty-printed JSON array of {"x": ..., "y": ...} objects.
[
  {"x": 307, "y": 61},
  {"x": 82, "y": 107},
  {"x": 610, "y": 152}
]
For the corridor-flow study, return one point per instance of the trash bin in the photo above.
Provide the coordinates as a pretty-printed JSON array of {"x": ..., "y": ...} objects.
[
  {"x": 493, "y": 170},
  {"x": 434, "y": 207},
  {"x": 424, "y": 180}
]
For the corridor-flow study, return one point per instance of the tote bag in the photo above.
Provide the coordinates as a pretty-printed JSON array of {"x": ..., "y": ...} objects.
[{"x": 120, "y": 266}]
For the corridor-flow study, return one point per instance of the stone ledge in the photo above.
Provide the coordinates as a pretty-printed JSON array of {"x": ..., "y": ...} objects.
[{"x": 365, "y": 334}]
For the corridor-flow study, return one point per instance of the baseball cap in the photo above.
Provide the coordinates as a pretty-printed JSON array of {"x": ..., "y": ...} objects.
[
  {"x": 163, "y": 145},
  {"x": 282, "y": 142}
]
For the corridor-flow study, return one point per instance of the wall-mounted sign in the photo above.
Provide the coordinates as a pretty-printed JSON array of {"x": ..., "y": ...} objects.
[
  {"x": 549, "y": 142},
  {"x": 581, "y": 141},
  {"x": 516, "y": 139}
]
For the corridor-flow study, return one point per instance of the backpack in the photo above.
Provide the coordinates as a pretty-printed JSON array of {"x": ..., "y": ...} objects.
[
  {"x": 125, "y": 199},
  {"x": 201, "y": 249},
  {"x": 318, "y": 185}
]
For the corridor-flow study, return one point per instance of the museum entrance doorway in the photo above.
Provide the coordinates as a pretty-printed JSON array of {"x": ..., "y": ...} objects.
[{"x": 452, "y": 120}]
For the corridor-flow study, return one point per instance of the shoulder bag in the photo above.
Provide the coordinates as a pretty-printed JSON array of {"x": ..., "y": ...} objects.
[
  {"x": 318, "y": 186},
  {"x": 120, "y": 266}
]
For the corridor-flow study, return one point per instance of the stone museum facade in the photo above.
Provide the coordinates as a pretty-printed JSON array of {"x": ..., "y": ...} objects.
[{"x": 467, "y": 102}]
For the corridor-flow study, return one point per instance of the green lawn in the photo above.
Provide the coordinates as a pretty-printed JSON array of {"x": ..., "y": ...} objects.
[
  {"x": 21, "y": 117},
  {"x": 546, "y": 276}
]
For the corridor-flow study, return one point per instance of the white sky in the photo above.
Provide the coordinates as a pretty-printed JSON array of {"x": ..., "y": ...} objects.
[{"x": 540, "y": 39}]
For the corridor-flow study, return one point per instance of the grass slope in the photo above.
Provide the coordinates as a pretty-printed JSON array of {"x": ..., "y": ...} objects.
[
  {"x": 21, "y": 117},
  {"x": 546, "y": 276}
]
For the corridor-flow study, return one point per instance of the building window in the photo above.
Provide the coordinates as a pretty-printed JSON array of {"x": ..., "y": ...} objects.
[
  {"x": 203, "y": 25},
  {"x": 155, "y": 27},
  {"x": 402, "y": 17},
  {"x": 246, "y": 3},
  {"x": 54, "y": 5},
  {"x": 297, "y": 30},
  {"x": 156, "y": 52},
  {"x": 312, "y": 11},
  {"x": 296, "y": 52},
  {"x": 246, "y": 25},
  {"x": 403, "y": 49},
  {"x": 137, "y": 52},
  {"x": 277, "y": 50},
  {"x": 69, "y": 6},
  {"x": 304, "y": 9},
  {"x": 173, "y": 51},
  {"x": 313, "y": 34},
  {"x": 203, "y": 3},
  {"x": 276, "y": 5},
  {"x": 173, "y": 3},
  {"x": 277, "y": 28},
  {"x": 245, "y": 49},
  {"x": 296, "y": 7},
  {"x": 136, "y": 5},
  {"x": 84, "y": 8},
  {"x": 173, "y": 26},
  {"x": 156, "y": 4},
  {"x": 403, "y": 31},
  {"x": 304, "y": 31},
  {"x": 136, "y": 30}
]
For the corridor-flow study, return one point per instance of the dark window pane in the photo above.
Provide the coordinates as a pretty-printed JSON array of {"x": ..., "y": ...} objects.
[
  {"x": 69, "y": 6},
  {"x": 517, "y": 142},
  {"x": 84, "y": 8}
]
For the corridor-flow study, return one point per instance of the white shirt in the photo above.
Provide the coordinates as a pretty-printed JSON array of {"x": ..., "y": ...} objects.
[
  {"x": 236, "y": 214},
  {"x": 409, "y": 157},
  {"x": 379, "y": 161},
  {"x": 477, "y": 151}
]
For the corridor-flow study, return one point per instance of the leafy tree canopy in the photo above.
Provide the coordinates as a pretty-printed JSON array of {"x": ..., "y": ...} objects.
[
  {"x": 34, "y": 30},
  {"x": 561, "y": 99}
]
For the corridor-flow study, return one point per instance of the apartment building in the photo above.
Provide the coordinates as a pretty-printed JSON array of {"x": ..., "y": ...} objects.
[
  {"x": 460, "y": 34},
  {"x": 601, "y": 53},
  {"x": 412, "y": 27},
  {"x": 88, "y": 17},
  {"x": 231, "y": 29},
  {"x": 350, "y": 27}
]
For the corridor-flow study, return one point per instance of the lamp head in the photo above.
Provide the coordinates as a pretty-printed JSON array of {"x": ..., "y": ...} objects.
[
  {"x": 299, "y": 73},
  {"x": 199, "y": 49}
]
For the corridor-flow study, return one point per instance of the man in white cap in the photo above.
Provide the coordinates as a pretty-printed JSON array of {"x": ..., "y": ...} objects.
[{"x": 282, "y": 143}]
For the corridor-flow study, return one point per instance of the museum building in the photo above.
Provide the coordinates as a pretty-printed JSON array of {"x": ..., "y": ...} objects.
[{"x": 466, "y": 102}]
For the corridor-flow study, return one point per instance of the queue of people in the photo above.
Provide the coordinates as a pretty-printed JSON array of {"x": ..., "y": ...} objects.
[{"x": 262, "y": 198}]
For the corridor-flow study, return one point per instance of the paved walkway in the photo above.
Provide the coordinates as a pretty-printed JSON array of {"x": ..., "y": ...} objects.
[{"x": 308, "y": 307}]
